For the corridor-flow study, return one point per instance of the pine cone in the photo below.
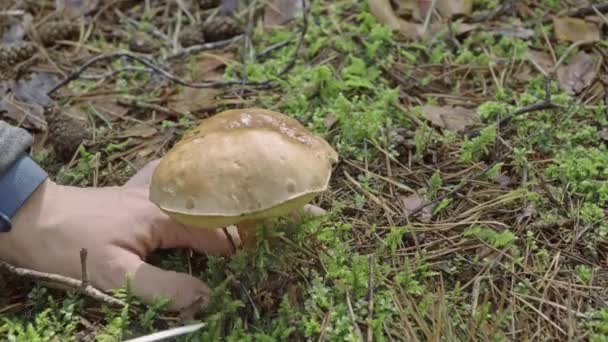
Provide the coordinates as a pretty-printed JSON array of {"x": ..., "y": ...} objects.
[
  {"x": 65, "y": 134},
  {"x": 192, "y": 35},
  {"x": 221, "y": 28},
  {"x": 209, "y": 4},
  {"x": 58, "y": 30},
  {"x": 143, "y": 43},
  {"x": 13, "y": 54}
]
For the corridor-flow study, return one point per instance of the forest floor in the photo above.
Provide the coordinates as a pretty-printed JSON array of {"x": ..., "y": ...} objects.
[{"x": 469, "y": 203}]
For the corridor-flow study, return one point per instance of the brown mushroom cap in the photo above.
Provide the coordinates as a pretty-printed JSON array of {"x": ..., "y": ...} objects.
[{"x": 242, "y": 164}]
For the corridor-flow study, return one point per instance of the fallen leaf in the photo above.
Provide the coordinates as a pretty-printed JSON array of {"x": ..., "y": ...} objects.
[
  {"x": 524, "y": 74},
  {"x": 15, "y": 28},
  {"x": 34, "y": 89},
  {"x": 191, "y": 100},
  {"x": 575, "y": 29},
  {"x": 541, "y": 60},
  {"x": 29, "y": 115},
  {"x": 109, "y": 107},
  {"x": 384, "y": 13},
  {"x": 578, "y": 74},
  {"x": 139, "y": 130},
  {"x": 279, "y": 12},
  {"x": 74, "y": 8},
  {"x": 424, "y": 6},
  {"x": 451, "y": 8},
  {"x": 413, "y": 202},
  {"x": 452, "y": 118},
  {"x": 25, "y": 100},
  {"x": 406, "y": 8}
]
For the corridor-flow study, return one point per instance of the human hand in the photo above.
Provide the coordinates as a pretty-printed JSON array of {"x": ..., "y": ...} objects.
[{"x": 119, "y": 227}]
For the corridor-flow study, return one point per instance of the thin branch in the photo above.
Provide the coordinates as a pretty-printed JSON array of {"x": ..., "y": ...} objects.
[
  {"x": 353, "y": 317},
  {"x": 83, "y": 266},
  {"x": 581, "y": 12},
  {"x": 89, "y": 290},
  {"x": 296, "y": 54},
  {"x": 111, "y": 56},
  {"x": 370, "y": 299},
  {"x": 262, "y": 54},
  {"x": 209, "y": 84},
  {"x": 151, "y": 106},
  {"x": 543, "y": 105},
  {"x": 204, "y": 47}
]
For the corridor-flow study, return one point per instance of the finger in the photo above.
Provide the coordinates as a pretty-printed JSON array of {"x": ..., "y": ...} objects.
[
  {"x": 307, "y": 210},
  {"x": 217, "y": 241},
  {"x": 148, "y": 281},
  {"x": 143, "y": 177}
]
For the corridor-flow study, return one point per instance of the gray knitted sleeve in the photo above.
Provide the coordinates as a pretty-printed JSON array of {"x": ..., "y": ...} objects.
[{"x": 13, "y": 142}]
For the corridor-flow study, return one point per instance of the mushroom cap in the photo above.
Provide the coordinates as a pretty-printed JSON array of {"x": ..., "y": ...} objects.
[{"x": 241, "y": 164}]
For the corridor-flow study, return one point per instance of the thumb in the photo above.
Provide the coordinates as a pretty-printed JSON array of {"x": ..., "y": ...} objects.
[
  {"x": 148, "y": 282},
  {"x": 143, "y": 177}
]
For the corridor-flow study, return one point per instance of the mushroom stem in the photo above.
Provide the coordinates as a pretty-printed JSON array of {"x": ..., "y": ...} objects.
[{"x": 247, "y": 233}]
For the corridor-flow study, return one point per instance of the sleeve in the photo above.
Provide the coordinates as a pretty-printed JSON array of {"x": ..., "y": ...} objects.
[{"x": 13, "y": 142}]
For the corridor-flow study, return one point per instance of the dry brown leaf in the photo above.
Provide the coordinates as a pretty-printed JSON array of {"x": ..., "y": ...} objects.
[
  {"x": 452, "y": 118},
  {"x": 16, "y": 28},
  {"x": 139, "y": 130},
  {"x": 575, "y": 29},
  {"x": 450, "y": 8},
  {"x": 74, "y": 8},
  {"x": 413, "y": 202},
  {"x": 24, "y": 100},
  {"x": 191, "y": 100},
  {"x": 109, "y": 107},
  {"x": 541, "y": 60},
  {"x": 29, "y": 115},
  {"x": 578, "y": 74},
  {"x": 406, "y": 8},
  {"x": 384, "y": 13},
  {"x": 279, "y": 12}
]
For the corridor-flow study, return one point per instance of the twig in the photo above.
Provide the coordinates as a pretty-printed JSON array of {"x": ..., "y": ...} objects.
[
  {"x": 352, "y": 317},
  {"x": 113, "y": 73},
  {"x": 59, "y": 279},
  {"x": 581, "y": 12},
  {"x": 427, "y": 19},
  {"x": 491, "y": 14},
  {"x": 292, "y": 63},
  {"x": 146, "y": 105},
  {"x": 262, "y": 54},
  {"x": 545, "y": 104},
  {"x": 74, "y": 75},
  {"x": 83, "y": 266},
  {"x": 370, "y": 299},
  {"x": 209, "y": 84},
  {"x": 204, "y": 47}
]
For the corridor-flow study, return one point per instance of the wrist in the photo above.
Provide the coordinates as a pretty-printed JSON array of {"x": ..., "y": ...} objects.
[
  {"x": 28, "y": 222},
  {"x": 17, "y": 185}
]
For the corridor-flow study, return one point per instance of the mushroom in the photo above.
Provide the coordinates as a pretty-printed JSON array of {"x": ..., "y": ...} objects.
[{"x": 239, "y": 168}]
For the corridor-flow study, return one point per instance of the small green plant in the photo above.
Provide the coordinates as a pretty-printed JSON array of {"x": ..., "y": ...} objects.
[
  {"x": 489, "y": 235},
  {"x": 478, "y": 147}
]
